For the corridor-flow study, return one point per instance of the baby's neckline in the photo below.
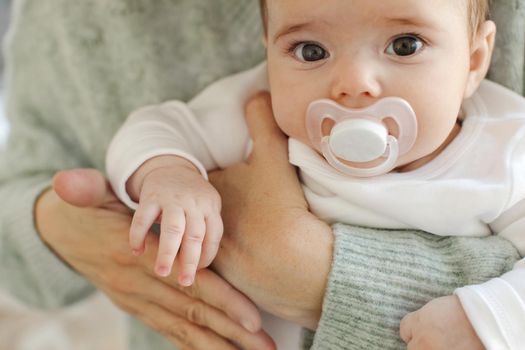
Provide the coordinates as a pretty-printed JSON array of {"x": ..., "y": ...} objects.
[{"x": 418, "y": 163}]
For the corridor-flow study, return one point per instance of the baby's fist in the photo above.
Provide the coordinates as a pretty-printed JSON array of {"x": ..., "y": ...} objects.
[{"x": 439, "y": 325}]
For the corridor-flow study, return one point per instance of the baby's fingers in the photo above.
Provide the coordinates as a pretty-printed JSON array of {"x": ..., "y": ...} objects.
[
  {"x": 172, "y": 228},
  {"x": 191, "y": 247},
  {"x": 210, "y": 246},
  {"x": 143, "y": 218},
  {"x": 406, "y": 328}
]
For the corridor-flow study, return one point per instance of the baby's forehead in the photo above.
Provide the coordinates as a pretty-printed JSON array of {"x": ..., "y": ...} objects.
[
  {"x": 411, "y": 8},
  {"x": 429, "y": 13}
]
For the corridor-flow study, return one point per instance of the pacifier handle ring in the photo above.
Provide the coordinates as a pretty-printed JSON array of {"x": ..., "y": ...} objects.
[{"x": 383, "y": 168}]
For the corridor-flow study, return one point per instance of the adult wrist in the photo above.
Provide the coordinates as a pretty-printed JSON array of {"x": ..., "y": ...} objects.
[{"x": 301, "y": 255}]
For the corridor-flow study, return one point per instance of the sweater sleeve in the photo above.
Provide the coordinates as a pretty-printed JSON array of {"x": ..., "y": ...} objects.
[
  {"x": 379, "y": 276},
  {"x": 29, "y": 270},
  {"x": 74, "y": 71}
]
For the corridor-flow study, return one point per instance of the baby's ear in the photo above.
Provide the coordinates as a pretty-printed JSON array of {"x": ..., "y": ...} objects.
[{"x": 480, "y": 55}]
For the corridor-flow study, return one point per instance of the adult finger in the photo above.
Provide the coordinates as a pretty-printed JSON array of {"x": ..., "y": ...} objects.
[
  {"x": 200, "y": 313},
  {"x": 218, "y": 293},
  {"x": 172, "y": 228},
  {"x": 263, "y": 129},
  {"x": 405, "y": 327},
  {"x": 82, "y": 187},
  {"x": 212, "y": 289},
  {"x": 179, "y": 331}
]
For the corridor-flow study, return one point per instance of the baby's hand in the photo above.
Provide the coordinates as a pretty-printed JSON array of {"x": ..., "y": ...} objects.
[
  {"x": 189, "y": 208},
  {"x": 440, "y": 324}
]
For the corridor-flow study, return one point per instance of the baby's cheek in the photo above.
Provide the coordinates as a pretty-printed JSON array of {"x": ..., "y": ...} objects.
[
  {"x": 284, "y": 119},
  {"x": 294, "y": 127},
  {"x": 291, "y": 120}
]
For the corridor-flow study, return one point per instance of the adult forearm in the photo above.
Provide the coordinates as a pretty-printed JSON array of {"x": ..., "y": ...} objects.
[
  {"x": 375, "y": 277},
  {"x": 284, "y": 267}
]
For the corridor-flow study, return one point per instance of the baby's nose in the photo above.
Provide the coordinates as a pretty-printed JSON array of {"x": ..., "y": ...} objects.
[{"x": 355, "y": 82}]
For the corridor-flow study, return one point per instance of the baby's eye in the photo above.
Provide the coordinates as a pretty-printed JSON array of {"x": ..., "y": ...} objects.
[
  {"x": 405, "y": 46},
  {"x": 310, "y": 52}
]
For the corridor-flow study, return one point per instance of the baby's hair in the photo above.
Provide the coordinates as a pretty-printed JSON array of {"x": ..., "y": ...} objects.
[{"x": 478, "y": 12}]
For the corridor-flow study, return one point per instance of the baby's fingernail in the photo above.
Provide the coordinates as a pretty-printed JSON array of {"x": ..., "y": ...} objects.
[
  {"x": 249, "y": 326},
  {"x": 185, "y": 281},
  {"x": 163, "y": 271},
  {"x": 136, "y": 252}
]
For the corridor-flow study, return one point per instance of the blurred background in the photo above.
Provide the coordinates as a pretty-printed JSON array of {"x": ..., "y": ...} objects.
[
  {"x": 94, "y": 324},
  {"x": 4, "y": 22}
]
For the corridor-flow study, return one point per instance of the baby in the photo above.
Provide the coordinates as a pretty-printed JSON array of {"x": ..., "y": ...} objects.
[{"x": 389, "y": 122}]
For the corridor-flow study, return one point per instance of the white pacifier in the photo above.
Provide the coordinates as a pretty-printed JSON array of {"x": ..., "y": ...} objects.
[{"x": 360, "y": 135}]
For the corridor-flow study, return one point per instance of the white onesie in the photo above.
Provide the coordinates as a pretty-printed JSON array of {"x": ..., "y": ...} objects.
[{"x": 475, "y": 187}]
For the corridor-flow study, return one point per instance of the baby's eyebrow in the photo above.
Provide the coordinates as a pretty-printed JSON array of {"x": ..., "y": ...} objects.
[
  {"x": 409, "y": 21},
  {"x": 292, "y": 28},
  {"x": 289, "y": 29}
]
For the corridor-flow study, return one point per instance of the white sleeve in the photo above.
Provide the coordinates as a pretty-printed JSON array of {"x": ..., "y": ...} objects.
[
  {"x": 496, "y": 309},
  {"x": 169, "y": 128},
  {"x": 210, "y": 131}
]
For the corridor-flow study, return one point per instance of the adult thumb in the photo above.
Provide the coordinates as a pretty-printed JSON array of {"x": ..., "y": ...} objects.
[
  {"x": 83, "y": 187},
  {"x": 267, "y": 138}
]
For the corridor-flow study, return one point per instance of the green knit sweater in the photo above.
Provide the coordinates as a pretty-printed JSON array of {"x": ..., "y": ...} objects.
[{"x": 75, "y": 69}]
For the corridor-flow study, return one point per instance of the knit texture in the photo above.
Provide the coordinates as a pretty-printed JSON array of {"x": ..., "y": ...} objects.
[
  {"x": 379, "y": 276},
  {"x": 76, "y": 69}
]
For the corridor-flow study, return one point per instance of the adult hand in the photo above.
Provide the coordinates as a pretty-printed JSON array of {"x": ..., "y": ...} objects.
[
  {"x": 273, "y": 249},
  {"x": 84, "y": 223},
  {"x": 439, "y": 325}
]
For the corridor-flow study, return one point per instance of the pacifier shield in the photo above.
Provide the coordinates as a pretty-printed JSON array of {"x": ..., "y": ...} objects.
[{"x": 360, "y": 135}]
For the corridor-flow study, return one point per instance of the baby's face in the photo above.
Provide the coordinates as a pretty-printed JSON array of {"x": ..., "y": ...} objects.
[{"x": 356, "y": 52}]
